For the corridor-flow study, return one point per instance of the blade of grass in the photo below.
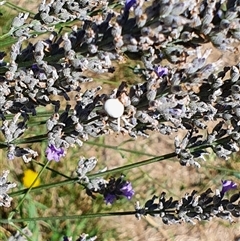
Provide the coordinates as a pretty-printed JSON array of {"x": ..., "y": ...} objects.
[
  {"x": 27, "y": 191},
  {"x": 117, "y": 148},
  {"x": 71, "y": 217},
  {"x": 19, "y": 9},
  {"x": 118, "y": 169}
]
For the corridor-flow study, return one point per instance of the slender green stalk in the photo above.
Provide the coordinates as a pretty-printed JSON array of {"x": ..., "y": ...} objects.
[
  {"x": 82, "y": 216},
  {"x": 222, "y": 169},
  {"x": 19, "y": 9},
  {"x": 40, "y": 114},
  {"x": 45, "y": 186},
  {"x": 52, "y": 170},
  {"x": 28, "y": 190},
  {"x": 11, "y": 40},
  {"x": 117, "y": 148},
  {"x": 119, "y": 169},
  {"x": 71, "y": 217},
  {"x": 19, "y": 230},
  {"x": 108, "y": 172},
  {"x": 33, "y": 139},
  {"x": 91, "y": 176}
]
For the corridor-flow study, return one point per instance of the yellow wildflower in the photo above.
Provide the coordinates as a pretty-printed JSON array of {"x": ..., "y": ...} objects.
[{"x": 29, "y": 177}]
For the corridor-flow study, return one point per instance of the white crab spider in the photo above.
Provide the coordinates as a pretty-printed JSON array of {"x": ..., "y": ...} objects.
[{"x": 115, "y": 109}]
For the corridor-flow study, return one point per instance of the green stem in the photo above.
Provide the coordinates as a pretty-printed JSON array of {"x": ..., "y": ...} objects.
[
  {"x": 46, "y": 186},
  {"x": 117, "y": 148},
  {"x": 108, "y": 172},
  {"x": 99, "y": 174},
  {"x": 27, "y": 191},
  {"x": 19, "y": 230},
  {"x": 34, "y": 139},
  {"x": 83, "y": 216},
  {"x": 19, "y": 9},
  {"x": 119, "y": 169},
  {"x": 52, "y": 170},
  {"x": 222, "y": 169},
  {"x": 9, "y": 33},
  {"x": 71, "y": 217}
]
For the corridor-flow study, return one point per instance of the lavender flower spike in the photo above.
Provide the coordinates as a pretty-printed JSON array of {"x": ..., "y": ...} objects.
[
  {"x": 127, "y": 190},
  {"x": 129, "y": 4},
  {"x": 54, "y": 153},
  {"x": 161, "y": 71},
  {"x": 226, "y": 186},
  {"x": 5, "y": 185}
]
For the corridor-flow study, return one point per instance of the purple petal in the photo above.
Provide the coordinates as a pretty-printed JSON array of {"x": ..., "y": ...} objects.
[
  {"x": 161, "y": 71},
  {"x": 109, "y": 198},
  {"x": 129, "y": 4},
  {"x": 127, "y": 190},
  {"x": 227, "y": 185},
  {"x": 54, "y": 153}
]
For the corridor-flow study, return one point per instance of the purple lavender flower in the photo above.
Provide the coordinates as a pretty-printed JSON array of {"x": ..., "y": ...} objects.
[
  {"x": 129, "y": 4},
  {"x": 127, "y": 190},
  {"x": 117, "y": 188},
  {"x": 35, "y": 68},
  {"x": 110, "y": 198},
  {"x": 161, "y": 71},
  {"x": 54, "y": 153},
  {"x": 226, "y": 186}
]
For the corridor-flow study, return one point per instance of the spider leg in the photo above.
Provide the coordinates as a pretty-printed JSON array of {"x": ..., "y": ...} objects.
[
  {"x": 118, "y": 123},
  {"x": 126, "y": 122}
]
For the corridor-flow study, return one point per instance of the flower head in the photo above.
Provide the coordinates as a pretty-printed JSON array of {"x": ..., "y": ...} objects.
[
  {"x": 161, "y": 71},
  {"x": 54, "y": 153},
  {"x": 226, "y": 186},
  {"x": 129, "y": 4},
  {"x": 29, "y": 177},
  {"x": 117, "y": 188}
]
